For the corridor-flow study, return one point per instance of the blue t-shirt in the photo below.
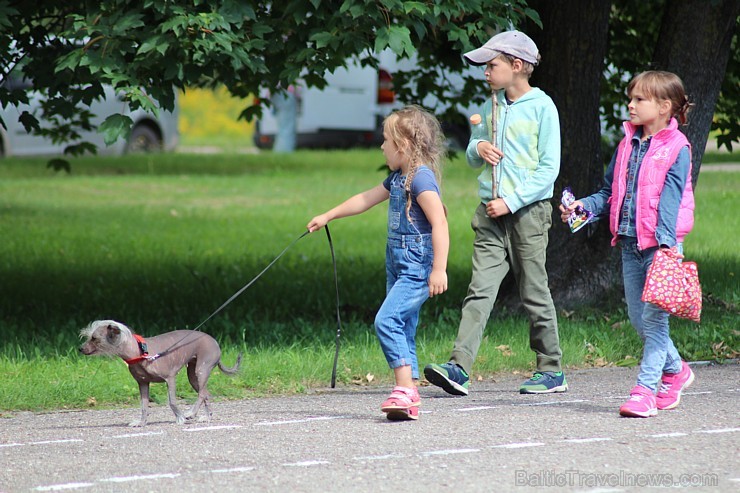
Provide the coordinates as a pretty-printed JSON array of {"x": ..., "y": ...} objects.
[{"x": 424, "y": 180}]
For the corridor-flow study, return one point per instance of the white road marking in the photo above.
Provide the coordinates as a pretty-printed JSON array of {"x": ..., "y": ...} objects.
[
  {"x": 125, "y": 479},
  {"x": 60, "y": 487},
  {"x": 233, "y": 469},
  {"x": 379, "y": 457},
  {"x": 48, "y": 442},
  {"x": 10, "y": 445},
  {"x": 451, "y": 451},
  {"x": 307, "y": 463},
  {"x": 668, "y": 435},
  {"x": 519, "y": 445},
  {"x": 479, "y": 408},
  {"x": 133, "y": 435},
  {"x": 550, "y": 403},
  {"x": 586, "y": 440},
  {"x": 721, "y": 430},
  {"x": 210, "y": 428},
  {"x": 294, "y": 421}
]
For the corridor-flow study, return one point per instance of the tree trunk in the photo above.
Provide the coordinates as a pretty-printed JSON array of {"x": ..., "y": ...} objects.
[
  {"x": 582, "y": 267},
  {"x": 694, "y": 42}
]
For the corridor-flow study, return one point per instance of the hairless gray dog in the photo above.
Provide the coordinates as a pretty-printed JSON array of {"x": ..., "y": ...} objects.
[{"x": 199, "y": 351}]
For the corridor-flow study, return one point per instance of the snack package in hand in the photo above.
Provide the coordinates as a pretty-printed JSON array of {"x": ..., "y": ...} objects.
[{"x": 580, "y": 216}]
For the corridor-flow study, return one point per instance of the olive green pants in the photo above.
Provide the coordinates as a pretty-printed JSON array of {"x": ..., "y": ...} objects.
[{"x": 515, "y": 242}]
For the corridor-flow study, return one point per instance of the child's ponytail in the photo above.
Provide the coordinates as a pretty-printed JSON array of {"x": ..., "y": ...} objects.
[{"x": 682, "y": 113}]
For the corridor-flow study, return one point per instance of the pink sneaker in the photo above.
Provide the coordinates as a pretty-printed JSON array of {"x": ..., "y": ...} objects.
[
  {"x": 671, "y": 386},
  {"x": 641, "y": 404},
  {"x": 402, "y": 404}
]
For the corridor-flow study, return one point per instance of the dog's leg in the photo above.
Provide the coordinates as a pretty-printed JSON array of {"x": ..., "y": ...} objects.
[
  {"x": 144, "y": 394},
  {"x": 179, "y": 417},
  {"x": 193, "y": 379},
  {"x": 198, "y": 378}
]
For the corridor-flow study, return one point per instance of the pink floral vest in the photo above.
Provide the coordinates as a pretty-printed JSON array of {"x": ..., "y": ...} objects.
[{"x": 660, "y": 156}]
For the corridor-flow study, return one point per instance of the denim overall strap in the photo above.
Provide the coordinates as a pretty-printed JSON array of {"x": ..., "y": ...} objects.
[{"x": 398, "y": 222}]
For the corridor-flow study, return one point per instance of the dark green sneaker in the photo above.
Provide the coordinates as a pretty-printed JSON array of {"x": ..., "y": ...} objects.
[
  {"x": 544, "y": 383},
  {"x": 451, "y": 377}
]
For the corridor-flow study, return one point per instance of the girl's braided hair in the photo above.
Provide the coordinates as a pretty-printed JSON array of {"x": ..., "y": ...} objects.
[
  {"x": 661, "y": 85},
  {"x": 418, "y": 134}
]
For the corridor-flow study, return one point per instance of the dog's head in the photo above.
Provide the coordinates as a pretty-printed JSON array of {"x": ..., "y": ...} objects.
[{"x": 104, "y": 337}]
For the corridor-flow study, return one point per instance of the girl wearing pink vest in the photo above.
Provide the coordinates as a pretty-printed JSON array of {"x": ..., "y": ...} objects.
[{"x": 648, "y": 197}]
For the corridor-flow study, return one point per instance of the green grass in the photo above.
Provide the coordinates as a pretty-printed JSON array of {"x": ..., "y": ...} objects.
[
  {"x": 717, "y": 157},
  {"x": 159, "y": 242}
]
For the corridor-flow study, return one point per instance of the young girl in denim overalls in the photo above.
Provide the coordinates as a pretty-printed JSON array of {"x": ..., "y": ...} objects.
[
  {"x": 417, "y": 247},
  {"x": 648, "y": 196}
]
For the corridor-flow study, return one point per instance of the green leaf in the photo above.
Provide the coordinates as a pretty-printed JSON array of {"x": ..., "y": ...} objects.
[
  {"x": 80, "y": 149},
  {"x": 115, "y": 127},
  {"x": 532, "y": 14},
  {"x": 6, "y": 14},
  {"x": 322, "y": 40},
  {"x": 381, "y": 40},
  {"x": 29, "y": 121},
  {"x": 627, "y": 362},
  {"x": 260, "y": 30},
  {"x": 147, "y": 46},
  {"x": 128, "y": 22},
  {"x": 70, "y": 61},
  {"x": 399, "y": 40},
  {"x": 409, "y": 7},
  {"x": 58, "y": 164}
]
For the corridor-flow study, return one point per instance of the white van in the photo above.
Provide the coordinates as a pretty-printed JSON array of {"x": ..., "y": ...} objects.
[
  {"x": 350, "y": 110},
  {"x": 149, "y": 133}
]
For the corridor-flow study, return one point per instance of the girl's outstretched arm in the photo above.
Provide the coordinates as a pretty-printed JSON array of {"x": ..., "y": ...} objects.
[
  {"x": 350, "y": 207},
  {"x": 431, "y": 204}
]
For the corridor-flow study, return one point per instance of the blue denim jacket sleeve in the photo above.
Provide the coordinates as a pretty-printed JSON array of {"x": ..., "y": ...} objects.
[
  {"x": 670, "y": 199},
  {"x": 598, "y": 203}
]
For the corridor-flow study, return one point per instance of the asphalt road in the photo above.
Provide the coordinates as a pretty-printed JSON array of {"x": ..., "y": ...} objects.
[{"x": 337, "y": 440}]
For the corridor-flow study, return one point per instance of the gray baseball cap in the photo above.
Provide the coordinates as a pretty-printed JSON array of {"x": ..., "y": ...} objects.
[{"x": 513, "y": 43}]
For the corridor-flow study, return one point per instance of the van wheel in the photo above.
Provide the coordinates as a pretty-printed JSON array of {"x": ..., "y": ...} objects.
[{"x": 143, "y": 139}]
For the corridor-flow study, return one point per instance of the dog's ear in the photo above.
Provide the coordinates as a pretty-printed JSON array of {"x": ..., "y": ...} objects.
[{"x": 113, "y": 334}]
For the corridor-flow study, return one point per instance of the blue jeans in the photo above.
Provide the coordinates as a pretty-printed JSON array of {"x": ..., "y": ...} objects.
[
  {"x": 408, "y": 265},
  {"x": 659, "y": 355}
]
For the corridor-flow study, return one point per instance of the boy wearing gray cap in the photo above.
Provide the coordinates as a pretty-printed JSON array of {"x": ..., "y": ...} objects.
[{"x": 513, "y": 218}]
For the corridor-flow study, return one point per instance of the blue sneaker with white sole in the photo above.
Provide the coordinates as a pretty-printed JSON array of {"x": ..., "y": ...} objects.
[
  {"x": 449, "y": 376},
  {"x": 544, "y": 382}
]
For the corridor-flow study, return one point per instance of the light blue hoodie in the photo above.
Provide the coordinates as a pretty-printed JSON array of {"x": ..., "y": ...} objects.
[{"x": 528, "y": 134}]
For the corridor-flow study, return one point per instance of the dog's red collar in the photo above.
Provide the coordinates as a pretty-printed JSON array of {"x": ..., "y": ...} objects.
[{"x": 143, "y": 350}]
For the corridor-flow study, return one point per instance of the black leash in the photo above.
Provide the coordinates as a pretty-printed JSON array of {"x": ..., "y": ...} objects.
[
  {"x": 252, "y": 281},
  {"x": 339, "y": 320},
  {"x": 236, "y": 295}
]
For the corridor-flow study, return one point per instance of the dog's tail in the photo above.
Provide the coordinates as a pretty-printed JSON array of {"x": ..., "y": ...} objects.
[{"x": 234, "y": 369}]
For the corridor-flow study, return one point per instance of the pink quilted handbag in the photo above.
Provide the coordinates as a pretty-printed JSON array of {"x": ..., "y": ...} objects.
[{"x": 673, "y": 285}]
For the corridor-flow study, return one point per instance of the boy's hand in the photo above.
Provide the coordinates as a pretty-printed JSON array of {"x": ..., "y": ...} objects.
[
  {"x": 497, "y": 208},
  {"x": 317, "y": 223},
  {"x": 565, "y": 212},
  {"x": 437, "y": 282},
  {"x": 491, "y": 155}
]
